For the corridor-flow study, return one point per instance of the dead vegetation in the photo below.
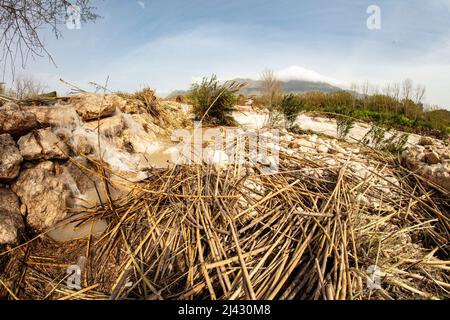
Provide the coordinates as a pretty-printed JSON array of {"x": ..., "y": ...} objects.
[
  {"x": 162, "y": 112},
  {"x": 192, "y": 232}
]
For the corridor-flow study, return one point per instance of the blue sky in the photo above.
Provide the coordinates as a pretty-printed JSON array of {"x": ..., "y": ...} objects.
[{"x": 167, "y": 44}]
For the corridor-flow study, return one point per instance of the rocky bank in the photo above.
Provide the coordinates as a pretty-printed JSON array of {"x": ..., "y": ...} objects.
[{"x": 47, "y": 152}]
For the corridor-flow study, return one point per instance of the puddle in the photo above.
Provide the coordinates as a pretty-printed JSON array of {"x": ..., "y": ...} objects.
[
  {"x": 95, "y": 196},
  {"x": 68, "y": 231},
  {"x": 162, "y": 159}
]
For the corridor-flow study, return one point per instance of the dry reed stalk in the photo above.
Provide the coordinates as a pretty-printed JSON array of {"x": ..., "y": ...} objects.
[{"x": 194, "y": 232}]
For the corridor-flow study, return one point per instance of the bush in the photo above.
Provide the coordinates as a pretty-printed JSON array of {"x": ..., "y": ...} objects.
[
  {"x": 344, "y": 125},
  {"x": 291, "y": 106},
  {"x": 376, "y": 139},
  {"x": 404, "y": 120},
  {"x": 214, "y": 103},
  {"x": 396, "y": 143}
]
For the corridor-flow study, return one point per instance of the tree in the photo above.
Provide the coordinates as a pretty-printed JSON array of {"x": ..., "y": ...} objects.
[
  {"x": 396, "y": 94},
  {"x": 365, "y": 91},
  {"x": 387, "y": 90},
  {"x": 21, "y": 22},
  {"x": 272, "y": 93},
  {"x": 354, "y": 91},
  {"x": 374, "y": 90},
  {"x": 407, "y": 87},
  {"x": 419, "y": 93},
  {"x": 26, "y": 86},
  {"x": 365, "y": 88},
  {"x": 396, "y": 91}
]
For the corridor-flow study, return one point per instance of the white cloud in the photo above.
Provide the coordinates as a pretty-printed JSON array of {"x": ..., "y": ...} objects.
[
  {"x": 175, "y": 60},
  {"x": 300, "y": 73},
  {"x": 141, "y": 4}
]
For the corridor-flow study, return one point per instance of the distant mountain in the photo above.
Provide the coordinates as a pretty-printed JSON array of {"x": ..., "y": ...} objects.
[
  {"x": 253, "y": 87},
  {"x": 176, "y": 93}
]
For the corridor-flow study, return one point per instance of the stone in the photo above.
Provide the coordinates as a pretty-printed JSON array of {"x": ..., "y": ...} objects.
[
  {"x": 443, "y": 180},
  {"x": 298, "y": 143},
  {"x": 425, "y": 141},
  {"x": 120, "y": 144},
  {"x": 11, "y": 220},
  {"x": 336, "y": 150},
  {"x": 90, "y": 106},
  {"x": 432, "y": 158},
  {"x": 81, "y": 144},
  {"x": 109, "y": 127},
  {"x": 146, "y": 121},
  {"x": 287, "y": 138},
  {"x": 294, "y": 144},
  {"x": 132, "y": 106},
  {"x": 217, "y": 158},
  {"x": 58, "y": 115},
  {"x": 430, "y": 164},
  {"x": 10, "y": 158},
  {"x": 331, "y": 162},
  {"x": 42, "y": 144},
  {"x": 44, "y": 193},
  {"x": 322, "y": 148},
  {"x": 10, "y": 106},
  {"x": 16, "y": 122},
  {"x": 139, "y": 142}
]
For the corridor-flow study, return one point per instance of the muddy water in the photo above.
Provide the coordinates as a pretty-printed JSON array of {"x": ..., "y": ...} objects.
[
  {"x": 161, "y": 159},
  {"x": 69, "y": 231},
  {"x": 119, "y": 188}
]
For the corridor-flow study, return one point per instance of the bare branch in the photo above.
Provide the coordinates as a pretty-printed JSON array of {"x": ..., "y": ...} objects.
[{"x": 21, "y": 22}]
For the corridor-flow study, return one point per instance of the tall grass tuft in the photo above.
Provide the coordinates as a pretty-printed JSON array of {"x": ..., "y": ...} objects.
[{"x": 213, "y": 102}]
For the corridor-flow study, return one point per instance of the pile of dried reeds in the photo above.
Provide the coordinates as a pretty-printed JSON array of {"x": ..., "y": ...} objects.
[{"x": 193, "y": 232}]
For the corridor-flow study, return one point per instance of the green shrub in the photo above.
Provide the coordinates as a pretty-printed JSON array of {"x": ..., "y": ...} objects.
[
  {"x": 296, "y": 129},
  {"x": 405, "y": 121},
  {"x": 375, "y": 138},
  {"x": 213, "y": 102},
  {"x": 344, "y": 125},
  {"x": 291, "y": 106},
  {"x": 396, "y": 143}
]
